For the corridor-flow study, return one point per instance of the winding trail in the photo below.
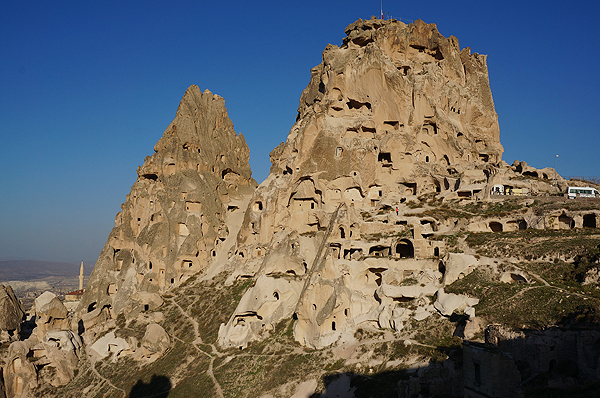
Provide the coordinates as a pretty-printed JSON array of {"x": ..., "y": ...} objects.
[
  {"x": 545, "y": 284},
  {"x": 198, "y": 340},
  {"x": 93, "y": 366}
]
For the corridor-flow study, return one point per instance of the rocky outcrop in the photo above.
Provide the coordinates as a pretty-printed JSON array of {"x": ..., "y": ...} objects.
[
  {"x": 11, "y": 314},
  {"x": 176, "y": 221},
  {"x": 49, "y": 356},
  {"x": 50, "y": 314},
  {"x": 448, "y": 303},
  {"x": 396, "y": 112},
  {"x": 60, "y": 350},
  {"x": 20, "y": 375},
  {"x": 109, "y": 344},
  {"x": 399, "y": 105},
  {"x": 2, "y": 389},
  {"x": 155, "y": 340},
  {"x": 352, "y": 240}
]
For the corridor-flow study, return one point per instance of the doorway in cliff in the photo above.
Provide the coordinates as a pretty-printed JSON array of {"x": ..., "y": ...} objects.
[{"x": 405, "y": 249}]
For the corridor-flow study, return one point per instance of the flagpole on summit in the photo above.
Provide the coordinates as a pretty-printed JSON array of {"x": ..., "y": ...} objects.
[{"x": 381, "y": 9}]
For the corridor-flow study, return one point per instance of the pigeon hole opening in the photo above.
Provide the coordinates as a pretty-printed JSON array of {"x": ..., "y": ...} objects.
[{"x": 384, "y": 157}]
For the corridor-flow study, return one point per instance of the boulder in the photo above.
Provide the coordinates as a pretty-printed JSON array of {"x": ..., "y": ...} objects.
[
  {"x": 109, "y": 344},
  {"x": 156, "y": 339},
  {"x": 447, "y": 303},
  {"x": 62, "y": 355},
  {"x": 64, "y": 340},
  {"x": 472, "y": 327},
  {"x": 50, "y": 314},
  {"x": 20, "y": 375},
  {"x": 457, "y": 265}
]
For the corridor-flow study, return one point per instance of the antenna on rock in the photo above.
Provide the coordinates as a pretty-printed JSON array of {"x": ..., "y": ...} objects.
[{"x": 381, "y": 9}]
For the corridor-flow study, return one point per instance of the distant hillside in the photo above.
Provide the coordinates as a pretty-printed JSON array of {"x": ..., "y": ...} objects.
[{"x": 24, "y": 270}]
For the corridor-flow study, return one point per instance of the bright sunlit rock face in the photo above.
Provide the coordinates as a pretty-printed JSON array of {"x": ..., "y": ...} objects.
[
  {"x": 398, "y": 111},
  {"x": 174, "y": 222}
]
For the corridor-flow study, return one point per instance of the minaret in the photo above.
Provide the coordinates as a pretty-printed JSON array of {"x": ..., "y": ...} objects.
[{"x": 81, "y": 276}]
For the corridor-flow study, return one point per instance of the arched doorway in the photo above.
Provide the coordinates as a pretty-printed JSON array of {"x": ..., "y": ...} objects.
[{"x": 405, "y": 249}]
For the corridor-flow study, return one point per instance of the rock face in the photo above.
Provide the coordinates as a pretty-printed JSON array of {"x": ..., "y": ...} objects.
[
  {"x": 11, "y": 313},
  {"x": 396, "y": 112},
  {"x": 396, "y": 106},
  {"x": 174, "y": 222},
  {"x": 353, "y": 239},
  {"x": 20, "y": 375},
  {"x": 48, "y": 356},
  {"x": 50, "y": 313}
]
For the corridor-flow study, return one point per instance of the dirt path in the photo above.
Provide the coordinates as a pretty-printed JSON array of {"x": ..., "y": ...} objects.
[
  {"x": 546, "y": 284},
  {"x": 198, "y": 340},
  {"x": 93, "y": 366}
]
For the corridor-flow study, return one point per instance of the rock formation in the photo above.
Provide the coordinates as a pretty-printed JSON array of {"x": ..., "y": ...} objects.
[
  {"x": 358, "y": 237},
  {"x": 176, "y": 220},
  {"x": 11, "y": 314},
  {"x": 395, "y": 113},
  {"x": 48, "y": 356},
  {"x": 50, "y": 314}
]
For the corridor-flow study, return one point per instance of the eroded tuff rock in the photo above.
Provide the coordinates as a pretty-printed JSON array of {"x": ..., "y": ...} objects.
[
  {"x": 176, "y": 220},
  {"x": 50, "y": 313},
  {"x": 352, "y": 239},
  {"x": 399, "y": 105},
  {"x": 49, "y": 356},
  {"x": 396, "y": 112},
  {"x": 395, "y": 116},
  {"x": 11, "y": 313}
]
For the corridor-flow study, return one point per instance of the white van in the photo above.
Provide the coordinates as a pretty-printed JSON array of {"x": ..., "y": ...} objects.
[{"x": 582, "y": 192}]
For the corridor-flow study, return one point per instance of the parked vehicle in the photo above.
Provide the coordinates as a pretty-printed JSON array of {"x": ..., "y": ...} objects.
[{"x": 582, "y": 192}]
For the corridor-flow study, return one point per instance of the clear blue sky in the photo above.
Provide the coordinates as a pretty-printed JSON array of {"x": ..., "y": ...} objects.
[{"x": 87, "y": 88}]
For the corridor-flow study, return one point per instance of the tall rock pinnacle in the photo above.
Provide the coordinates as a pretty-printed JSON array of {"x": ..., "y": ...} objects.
[
  {"x": 396, "y": 112},
  {"x": 172, "y": 224}
]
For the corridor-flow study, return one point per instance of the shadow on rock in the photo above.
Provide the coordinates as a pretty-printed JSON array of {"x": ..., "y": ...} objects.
[
  {"x": 435, "y": 379},
  {"x": 158, "y": 387}
]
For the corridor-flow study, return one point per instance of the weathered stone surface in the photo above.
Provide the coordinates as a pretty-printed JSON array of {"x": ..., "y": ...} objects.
[
  {"x": 457, "y": 265},
  {"x": 63, "y": 349},
  {"x": 346, "y": 240},
  {"x": 396, "y": 112},
  {"x": 271, "y": 299},
  {"x": 109, "y": 344},
  {"x": 20, "y": 375},
  {"x": 472, "y": 327},
  {"x": 50, "y": 314},
  {"x": 156, "y": 339},
  {"x": 49, "y": 356},
  {"x": 447, "y": 303},
  {"x": 2, "y": 389},
  {"x": 176, "y": 221},
  {"x": 11, "y": 310},
  {"x": 49, "y": 306}
]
